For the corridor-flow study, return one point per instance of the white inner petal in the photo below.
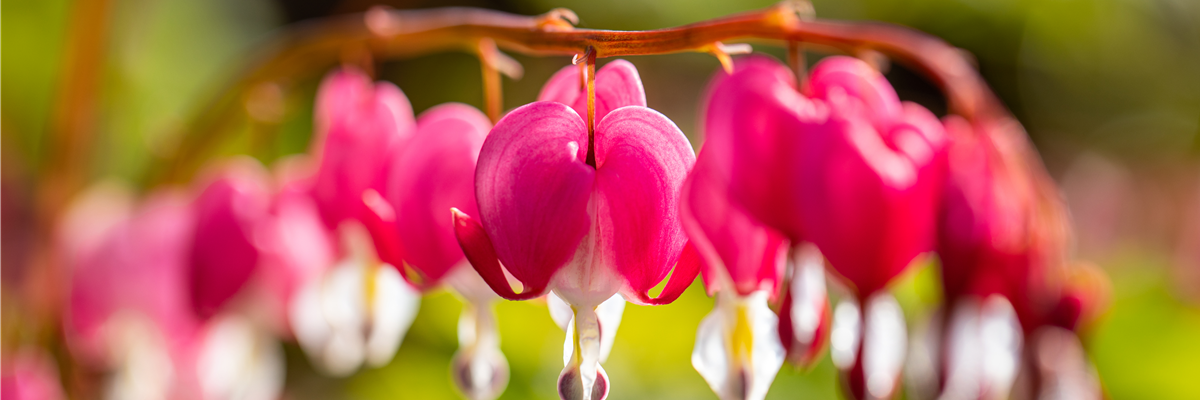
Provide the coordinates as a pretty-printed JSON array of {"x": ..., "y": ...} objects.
[
  {"x": 721, "y": 356},
  {"x": 239, "y": 361},
  {"x": 393, "y": 309},
  {"x": 845, "y": 334},
  {"x": 883, "y": 344},
  {"x": 808, "y": 293}
]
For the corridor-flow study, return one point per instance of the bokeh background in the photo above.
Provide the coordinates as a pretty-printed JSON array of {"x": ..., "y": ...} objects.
[{"x": 1109, "y": 90}]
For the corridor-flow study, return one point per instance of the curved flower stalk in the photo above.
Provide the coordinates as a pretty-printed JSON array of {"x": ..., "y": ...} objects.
[
  {"x": 864, "y": 171},
  {"x": 30, "y": 374},
  {"x": 412, "y": 227},
  {"x": 585, "y": 219}
]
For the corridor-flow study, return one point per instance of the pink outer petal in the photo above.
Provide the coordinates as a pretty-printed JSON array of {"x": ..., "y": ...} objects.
[
  {"x": 482, "y": 255},
  {"x": 434, "y": 172},
  {"x": 755, "y": 123},
  {"x": 642, "y": 159},
  {"x": 224, "y": 254},
  {"x": 296, "y": 246},
  {"x": 617, "y": 85},
  {"x": 858, "y": 80},
  {"x": 358, "y": 128},
  {"x": 30, "y": 374},
  {"x": 140, "y": 266},
  {"x": 532, "y": 188},
  {"x": 748, "y": 251},
  {"x": 684, "y": 274}
]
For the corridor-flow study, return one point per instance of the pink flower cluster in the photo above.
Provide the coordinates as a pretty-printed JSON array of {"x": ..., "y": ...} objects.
[{"x": 834, "y": 179}]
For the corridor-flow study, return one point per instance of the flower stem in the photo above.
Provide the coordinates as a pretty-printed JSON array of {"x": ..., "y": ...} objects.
[{"x": 306, "y": 49}]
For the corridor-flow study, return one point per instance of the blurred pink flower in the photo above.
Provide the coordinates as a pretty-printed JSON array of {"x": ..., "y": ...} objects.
[
  {"x": 434, "y": 172},
  {"x": 30, "y": 374},
  {"x": 224, "y": 254},
  {"x": 556, "y": 223},
  {"x": 358, "y": 127}
]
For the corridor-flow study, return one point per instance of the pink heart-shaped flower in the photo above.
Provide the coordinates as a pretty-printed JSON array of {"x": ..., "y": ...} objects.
[{"x": 555, "y": 222}]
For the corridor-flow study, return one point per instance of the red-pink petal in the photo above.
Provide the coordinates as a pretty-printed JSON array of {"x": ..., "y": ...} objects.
[
  {"x": 140, "y": 266},
  {"x": 725, "y": 235},
  {"x": 532, "y": 187},
  {"x": 224, "y": 254},
  {"x": 642, "y": 159},
  {"x": 617, "y": 85},
  {"x": 434, "y": 172},
  {"x": 358, "y": 128},
  {"x": 482, "y": 255}
]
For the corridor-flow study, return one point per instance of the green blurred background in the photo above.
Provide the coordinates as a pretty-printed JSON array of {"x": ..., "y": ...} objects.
[{"x": 1108, "y": 89}]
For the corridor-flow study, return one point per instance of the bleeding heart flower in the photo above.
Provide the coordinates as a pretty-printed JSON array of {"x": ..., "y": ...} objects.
[
  {"x": 224, "y": 254},
  {"x": 413, "y": 230},
  {"x": 129, "y": 312},
  {"x": 358, "y": 126},
  {"x": 30, "y": 374},
  {"x": 846, "y": 166},
  {"x": 738, "y": 350},
  {"x": 586, "y": 232},
  {"x": 136, "y": 271}
]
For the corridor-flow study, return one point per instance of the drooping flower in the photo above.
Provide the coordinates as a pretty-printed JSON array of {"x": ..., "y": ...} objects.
[
  {"x": 844, "y": 165},
  {"x": 130, "y": 312},
  {"x": 745, "y": 255},
  {"x": 358, "y": 126},
  {"x": 224, "y": 254},
  {"x": 412, "y": 227},
  {"x": 30, "y": 374},
  {"x": 586, "y": 232},
  {"x": 738, "y": 350},
  {"x": 353, "y": 308}
]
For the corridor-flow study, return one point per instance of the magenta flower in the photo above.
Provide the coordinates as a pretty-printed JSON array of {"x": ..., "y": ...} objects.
[
  {"x": 133, "y": 277},
  {"x": 413, "y": 230},
  {"x": 30, "y": 374},
  {"x": 846, "y": 166},
  {"x": 432, "y": 173},
  {"x": 224, "y": 253},
  {"x": 358, "y": 126},
  {"x": 130, "y": 312},
  {"x": 738, "y": 349},
  {"x": 586, "y": 232}
]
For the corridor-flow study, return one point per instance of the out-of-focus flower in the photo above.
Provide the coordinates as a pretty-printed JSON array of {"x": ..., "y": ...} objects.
[
  {"x": 30, "y": 374},
  {"x": 414, "y": 232},
  {"x": 738, "y": 349},
  {"x": 863, "y": 170},
  {"x": 131, "y": 307},
  {"x": 344, "y": 305},
  {"x": 358, "y": 125},
  {"x": 224, "y": 254},
  {"x": 586, "y": 232}
]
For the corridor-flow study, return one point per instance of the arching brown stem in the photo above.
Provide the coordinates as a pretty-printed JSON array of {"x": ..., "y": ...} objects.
[{"x": 308, "y": 48}]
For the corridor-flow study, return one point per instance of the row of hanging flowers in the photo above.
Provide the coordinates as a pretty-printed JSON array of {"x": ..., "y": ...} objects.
[{"x": 807, "y": 183}]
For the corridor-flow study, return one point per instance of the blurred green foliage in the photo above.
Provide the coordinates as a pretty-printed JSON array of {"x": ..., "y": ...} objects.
[{"x": 1120, "y": 77}]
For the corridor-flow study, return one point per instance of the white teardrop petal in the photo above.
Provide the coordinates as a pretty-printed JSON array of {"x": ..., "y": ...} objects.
[
  {"x": 393, "y": 309},
  {"x": 845, "y": 334},
  {"x": 884, "y": 338}
]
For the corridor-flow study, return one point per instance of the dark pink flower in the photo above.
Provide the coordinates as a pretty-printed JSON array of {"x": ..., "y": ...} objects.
[
  {"x": 846, "y": 165},
  {"x": 434, "y": 172},
  {"x": 137, "y": 270},
  {"x": 358, "y": 126},
  {"x": 224, "y": 253},
  {"x": 587, "y": 232},
  {"x": 30, "y": 374},
  {"x": 558, "y": 223}
]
